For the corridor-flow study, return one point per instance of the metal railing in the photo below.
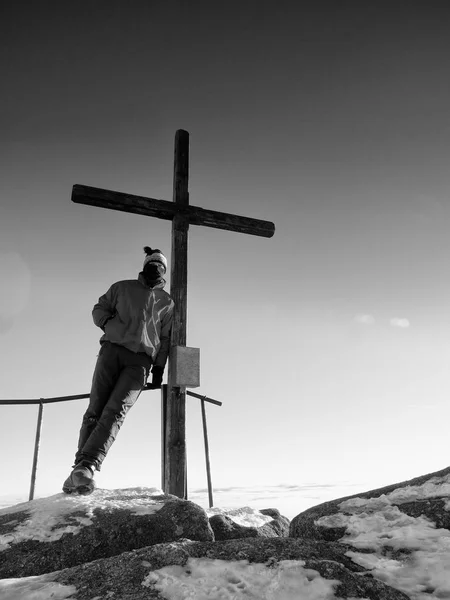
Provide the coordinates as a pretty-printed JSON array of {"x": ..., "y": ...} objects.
[{"x": 42, "y": 401}]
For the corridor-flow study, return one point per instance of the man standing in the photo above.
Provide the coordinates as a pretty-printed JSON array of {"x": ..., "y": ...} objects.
[{"x": 136, "y": 317}]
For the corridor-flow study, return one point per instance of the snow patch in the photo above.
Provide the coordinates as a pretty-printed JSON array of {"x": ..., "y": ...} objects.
[
  {"x": 245, "y": 516},
  {"x": 35, "y": 588},
  {"x": 421, "y": 570},
  {"x": 204, "y": 578},
  {"x": 50, "y": 518}
]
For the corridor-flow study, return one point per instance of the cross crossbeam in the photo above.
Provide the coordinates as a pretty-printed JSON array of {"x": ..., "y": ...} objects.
[{"x": 164, "y": 209}]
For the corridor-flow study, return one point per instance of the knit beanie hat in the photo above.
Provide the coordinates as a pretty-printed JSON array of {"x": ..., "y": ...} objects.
[{"x": 154, "y": 256}]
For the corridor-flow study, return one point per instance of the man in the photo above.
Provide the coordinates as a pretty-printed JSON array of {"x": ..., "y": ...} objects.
[{"x": 136, "y": 317}]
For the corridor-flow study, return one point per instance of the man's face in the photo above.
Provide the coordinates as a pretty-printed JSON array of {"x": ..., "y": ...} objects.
[{"x": 154, "y": 270}]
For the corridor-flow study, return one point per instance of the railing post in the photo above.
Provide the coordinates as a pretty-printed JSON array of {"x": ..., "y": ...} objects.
[
  {"x": 208, "y": 466},
  {"x": 163, "y": 435},
  {"x": 36, "y": 449}
]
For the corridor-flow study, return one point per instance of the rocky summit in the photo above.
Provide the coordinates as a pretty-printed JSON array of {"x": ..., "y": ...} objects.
[{"x": 392, "y": 543}]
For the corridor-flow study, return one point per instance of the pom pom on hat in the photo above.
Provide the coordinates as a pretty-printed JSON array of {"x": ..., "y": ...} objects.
[{"x": 154, "y": 256}]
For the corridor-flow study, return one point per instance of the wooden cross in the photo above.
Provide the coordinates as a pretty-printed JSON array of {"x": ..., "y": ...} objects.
[{"x": 182, "y": 214}]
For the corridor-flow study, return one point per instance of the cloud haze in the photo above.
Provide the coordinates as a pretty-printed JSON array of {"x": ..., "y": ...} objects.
[
  {"x": 364, "y": 319},
  {"x": 399, "y": 322}
]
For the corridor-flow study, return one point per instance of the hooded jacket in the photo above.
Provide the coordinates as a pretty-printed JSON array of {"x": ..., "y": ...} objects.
[{"x": 137, "y": 316}]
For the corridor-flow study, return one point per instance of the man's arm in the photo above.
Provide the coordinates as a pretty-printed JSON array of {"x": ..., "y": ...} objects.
[
  {"x": 163, "y": 352},
  {"x": 104, "y": 309},
  {"x": 166, "y": 328}
]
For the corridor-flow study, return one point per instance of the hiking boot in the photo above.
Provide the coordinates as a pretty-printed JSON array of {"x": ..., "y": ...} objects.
[{"x": 80, "y": 481}]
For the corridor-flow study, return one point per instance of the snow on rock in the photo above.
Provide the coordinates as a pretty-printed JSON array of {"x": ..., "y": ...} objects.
[
  {"x": 256, "y": 569},
  {"x": 246, "y": 522},
  {"x": 35, "y": 588},
  {"x": 50, "y": 518},
  {"x": 244, "y": 516},
  {"x": 221, "y": 579},
  {"x": 400, "y": 534},
  {"x": 387, "y": 544},
  {"x": 76, "y": 529}
]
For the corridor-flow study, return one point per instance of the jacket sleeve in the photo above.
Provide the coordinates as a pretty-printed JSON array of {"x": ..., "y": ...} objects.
[
  {"x": 166, "y": 330},
  {"x": 105, "y": 308}
]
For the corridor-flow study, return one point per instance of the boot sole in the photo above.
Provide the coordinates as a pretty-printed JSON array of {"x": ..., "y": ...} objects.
[{"x": 82, "y": 490}]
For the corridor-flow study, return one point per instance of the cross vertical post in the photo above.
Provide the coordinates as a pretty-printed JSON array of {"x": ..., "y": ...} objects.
[{"x": 175, "y": 451}]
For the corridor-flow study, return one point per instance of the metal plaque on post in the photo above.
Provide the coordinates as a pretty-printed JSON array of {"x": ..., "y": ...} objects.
[{"x": 186, "y": 366}]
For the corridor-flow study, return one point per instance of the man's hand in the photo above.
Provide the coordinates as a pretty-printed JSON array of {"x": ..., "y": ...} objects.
[
  {"x": 106, "y": 320},
  {"x": 157, "y": 376}
]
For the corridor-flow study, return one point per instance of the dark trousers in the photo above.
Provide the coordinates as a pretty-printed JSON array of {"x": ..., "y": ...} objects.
[{"x": 119, "y": 378}]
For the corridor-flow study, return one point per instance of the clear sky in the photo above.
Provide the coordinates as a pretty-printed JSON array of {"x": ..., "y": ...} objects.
[{"x": 330, "y": 119}]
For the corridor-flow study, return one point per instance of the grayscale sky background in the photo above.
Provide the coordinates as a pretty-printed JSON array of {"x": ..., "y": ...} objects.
[{"x": 328, "y": 344}]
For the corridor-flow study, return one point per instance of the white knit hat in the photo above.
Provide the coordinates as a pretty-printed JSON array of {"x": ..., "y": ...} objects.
[{"x": 154, "y": 256}]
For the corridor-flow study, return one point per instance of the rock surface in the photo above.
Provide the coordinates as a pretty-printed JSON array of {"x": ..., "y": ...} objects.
[
  {"x": 400, "y": 532},
  {"x": 226, "y": 529},
  {"x": 392, "y": 543},
  {"x": 78, "y": 529},
  {"x": 129, "y": 575}
]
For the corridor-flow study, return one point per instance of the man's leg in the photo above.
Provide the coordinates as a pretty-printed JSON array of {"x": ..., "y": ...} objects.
[
  {"x": 132, "y": 379},
  {"x": 106, "y": 374}
]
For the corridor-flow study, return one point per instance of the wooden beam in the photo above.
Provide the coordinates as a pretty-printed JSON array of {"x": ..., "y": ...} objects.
[
  {"x": 151, "y": 207},
  {"x": 163, "y": 434},
  {"x": 163, "y": 209},
  {"x": 176, "y": 467}
]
